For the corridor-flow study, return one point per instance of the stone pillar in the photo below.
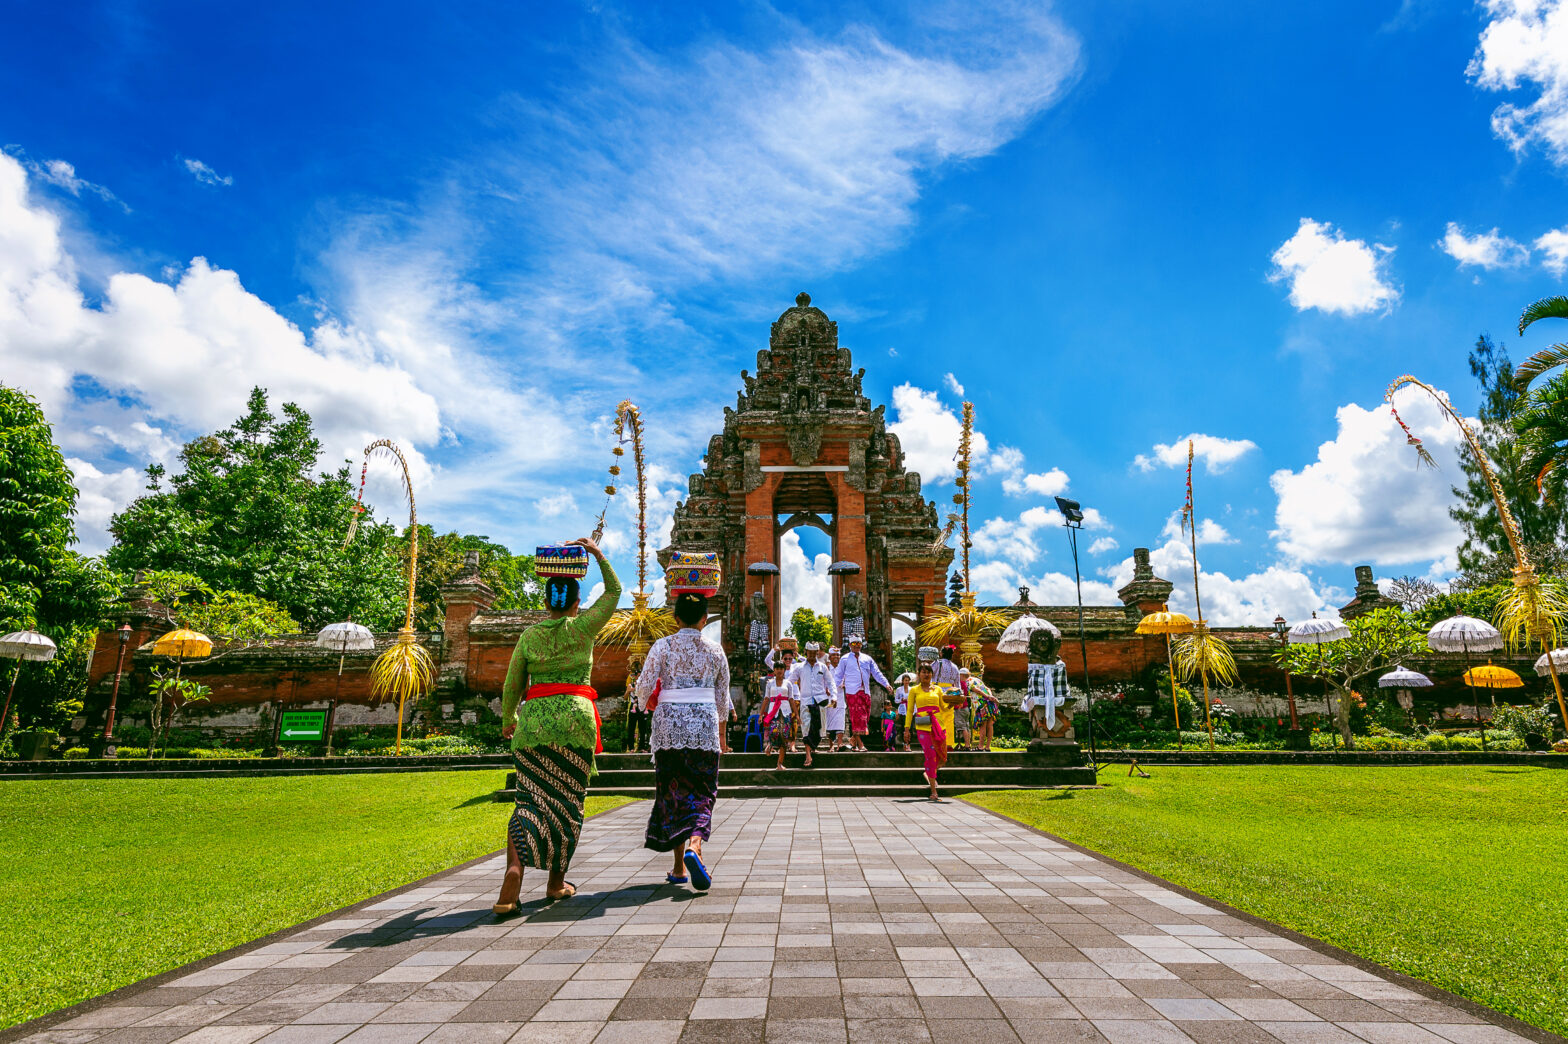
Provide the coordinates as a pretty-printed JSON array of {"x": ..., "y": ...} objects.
[
  {"x": 1145, "y": 593},
  {"x": 1368, "y": 596},
  {"x": 465, "y": 598}
]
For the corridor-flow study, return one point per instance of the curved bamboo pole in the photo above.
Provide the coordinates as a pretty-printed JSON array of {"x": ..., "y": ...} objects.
[
  {"x": 405, "y": 669},
  {"x": 1531, "y": 613}
]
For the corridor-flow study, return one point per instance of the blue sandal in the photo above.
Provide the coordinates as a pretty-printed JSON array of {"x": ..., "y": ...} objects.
[
  {"x": 700, "y": 878},
  {"x": 672, "y": 879}
]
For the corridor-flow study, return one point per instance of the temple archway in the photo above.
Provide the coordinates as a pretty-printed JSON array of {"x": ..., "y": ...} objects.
[{"x": 804, "y": 447}]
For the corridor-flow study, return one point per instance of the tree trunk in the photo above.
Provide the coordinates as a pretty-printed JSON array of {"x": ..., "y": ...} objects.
[{"x": 1342, "y": 716}]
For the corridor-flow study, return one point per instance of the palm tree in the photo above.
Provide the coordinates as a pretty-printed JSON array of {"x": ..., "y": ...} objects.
[{"x": 1542, "y": 416}]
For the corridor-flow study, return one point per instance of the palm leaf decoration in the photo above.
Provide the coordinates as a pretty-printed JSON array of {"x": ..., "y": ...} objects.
[
  {"x": 968, "y": 624},
  {"x": 1531, "y": 614},
  {"x": 1545, "y": 308},
  {"x": 404, "y": 671},
  {"x": 639, "y": 627},
  {"x": 1201, "y": 652}
]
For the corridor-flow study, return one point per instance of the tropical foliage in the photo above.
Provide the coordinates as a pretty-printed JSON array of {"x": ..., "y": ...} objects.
[
  {"x": 807, "y": 625},
  {"x": 1378, "y": 640},
  {"x": 249, "y": 512},
  {"x": 1541, "y": 419}
]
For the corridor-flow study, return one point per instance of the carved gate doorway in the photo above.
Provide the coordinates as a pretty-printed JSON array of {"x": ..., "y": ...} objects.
[{"x": 805, "y": 447}]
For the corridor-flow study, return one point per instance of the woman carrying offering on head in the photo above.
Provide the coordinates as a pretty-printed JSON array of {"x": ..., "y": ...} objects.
[
  {"x": 685, "y": 685},
  {"x": 548, "y": 713},
  {"x": 931, "y": 719}
]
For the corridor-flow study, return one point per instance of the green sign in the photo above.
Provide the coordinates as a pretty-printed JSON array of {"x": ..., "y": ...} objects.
[{"x": 304, "y": 725}]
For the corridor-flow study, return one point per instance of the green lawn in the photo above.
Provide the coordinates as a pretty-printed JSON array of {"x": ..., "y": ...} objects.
[
  {"x": 1453, "y": 875},
  {"x": 108, "y": 882}
]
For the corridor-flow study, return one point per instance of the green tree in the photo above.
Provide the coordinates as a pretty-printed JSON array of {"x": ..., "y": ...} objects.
[
  {"x": 44, "y": 585},
  {"x": 807, "y": 625},
  {"x": 443, "y": 559},
  {"x": 250, "y": 514},
  {"x": 905, "y": 652},
  {"x": 1377, "y": 640},
  {"x": 1541, "y": 522},
  {"x": 1541, "y": 417}
]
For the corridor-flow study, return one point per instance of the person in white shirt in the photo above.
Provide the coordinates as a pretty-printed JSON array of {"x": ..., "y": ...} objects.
[
  {"x": 853, "y": 675},
  {"x": 818, "y": 695},
  {"x": 900, "y": 701},
  {"x": 835, "y": 717},
  {"x": 945, "y": 673},
  {"x": 780, "y": 710}
]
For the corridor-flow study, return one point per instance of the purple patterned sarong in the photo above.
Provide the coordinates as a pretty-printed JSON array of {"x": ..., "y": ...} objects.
[{"x": 686, "y": 784}]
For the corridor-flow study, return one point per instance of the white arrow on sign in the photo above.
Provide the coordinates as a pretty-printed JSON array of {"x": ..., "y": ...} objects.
[{"x": 289, "y": 733}]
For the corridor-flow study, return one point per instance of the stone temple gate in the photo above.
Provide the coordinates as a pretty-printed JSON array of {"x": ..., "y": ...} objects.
[{"x": 804, "y": 447}]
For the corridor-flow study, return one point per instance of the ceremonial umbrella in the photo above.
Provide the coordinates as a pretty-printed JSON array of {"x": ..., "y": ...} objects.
[
  {"x": 340, "y": 638},
  {"x": 1015, "y": 639},
  {"x": 1168, "y": 623},
  {"x": 19, "y": 646},
  {"x": 1404, "y": 680},
  {"x": 1319, "y": 632},
  {"x": 762, "y": 569},
  {"x": 1494, "y": 677},
  {"x": 1466, "y": 634},
  {"x": 1559, "y": 660},
  {"x": 178, "y": 643}
]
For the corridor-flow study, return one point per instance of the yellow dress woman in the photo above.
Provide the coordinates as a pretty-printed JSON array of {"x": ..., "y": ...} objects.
[{"x": 930, "y": 716}]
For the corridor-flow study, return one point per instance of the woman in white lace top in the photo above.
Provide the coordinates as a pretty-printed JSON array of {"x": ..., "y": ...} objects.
[{"x": 686, "y": 678}]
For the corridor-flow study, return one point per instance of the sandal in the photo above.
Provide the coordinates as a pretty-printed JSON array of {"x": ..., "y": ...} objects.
[
  {"x": 564, "y": 895},
  {"x": 701, "y": 879},
  {"x": 503, "y": 909},
  {"x": 674, "y": 880}
]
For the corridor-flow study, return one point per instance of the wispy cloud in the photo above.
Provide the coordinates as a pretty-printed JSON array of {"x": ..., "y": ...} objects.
[
  {"x": 1526, "y": 43},
  {"x": 1487, "y": 250},
  {"x": 206, "y": 175},
  {"x": 1216, "y": 452},
  {"x": 62, "y": 175}
]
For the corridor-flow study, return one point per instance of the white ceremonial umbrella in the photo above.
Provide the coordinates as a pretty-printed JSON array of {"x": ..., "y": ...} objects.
[
  {"x": 1559, "y": 660},
  {"x": 1466, "y": 634},
  {"x": 1404, "y": 678},
  {"x": 343, "y": 638},
  {"x": 1016, "y": 638},
  {"x": 1318, "y": 632},
  {"x": 19, "y": 646}
]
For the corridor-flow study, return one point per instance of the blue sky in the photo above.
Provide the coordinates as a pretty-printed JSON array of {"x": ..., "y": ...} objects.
[{"x": 1114, "y": 226}]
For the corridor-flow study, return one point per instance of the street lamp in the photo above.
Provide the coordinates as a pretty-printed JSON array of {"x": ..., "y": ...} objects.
[
  {"x": 1282, "y": 628},
  {"x": 110, "y": 749},
  {"x": 1072, "y": 513}
]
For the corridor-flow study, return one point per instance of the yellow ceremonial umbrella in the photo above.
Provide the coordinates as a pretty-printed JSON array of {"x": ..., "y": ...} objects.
[
  {"x": 1168, "y": 623},
  {"x": 1493, "y": 677},
  {"x": 178, "y": 643}
]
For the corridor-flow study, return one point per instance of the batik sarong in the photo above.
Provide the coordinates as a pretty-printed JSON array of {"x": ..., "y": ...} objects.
[
  {"x": 780, "y": 731},
  {"x": 859, "y": 705},
  {"x": 551, "y": 785},
  {"x": 686, "y": 784},
  {"x": 987, "y": 710}
]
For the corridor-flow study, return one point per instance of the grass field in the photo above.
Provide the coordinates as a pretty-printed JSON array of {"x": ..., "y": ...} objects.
[
  {"x": 108, "y": 882},
  {"x": 1458, "y": 876}
]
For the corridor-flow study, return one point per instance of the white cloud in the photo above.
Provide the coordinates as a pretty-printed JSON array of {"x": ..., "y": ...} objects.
[
  {"x": 1486, "y": 250},
  {"x": 1366, "y": 499},
  {"x": 1333, "y": 274},
  {"x": 61, "y": 175},
  {"x": 206, "y": 175},
  {"x": 98, "y": 496},
  {"x": 1103, "y": 545},
  {"x": 1042, "y": 484},
  {"x": 1554, "y": 245},
  {"x": 953, "y": 385},
  {"x": 928, "y": 430},
  {"x": 1526, "y": 43},
  {"x": 802, "y": 581},
  {"x": 1217, "y": 453},
  {"x": 556, "y": 505}
]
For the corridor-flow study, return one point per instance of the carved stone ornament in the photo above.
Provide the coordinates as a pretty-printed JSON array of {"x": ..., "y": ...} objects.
[{"x": 805, "y": 442}]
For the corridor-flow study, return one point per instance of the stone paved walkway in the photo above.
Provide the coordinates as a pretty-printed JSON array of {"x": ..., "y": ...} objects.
[{"x": 888, "y": 922}]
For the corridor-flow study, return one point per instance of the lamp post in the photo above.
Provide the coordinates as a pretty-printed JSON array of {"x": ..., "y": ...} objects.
[
  {"x": 110, "y": 749},
  {"x": 1072, "y": 515},
  {"x": 1282, "y": 628}
]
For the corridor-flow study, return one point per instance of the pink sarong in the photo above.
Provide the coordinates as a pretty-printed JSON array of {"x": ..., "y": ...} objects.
[
  {"x": 934, "y": 742},
  {"x": 859, "y": 706}
]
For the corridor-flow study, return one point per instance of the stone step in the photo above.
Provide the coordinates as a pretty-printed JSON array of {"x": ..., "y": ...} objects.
[{"x": 914, "y": 791}]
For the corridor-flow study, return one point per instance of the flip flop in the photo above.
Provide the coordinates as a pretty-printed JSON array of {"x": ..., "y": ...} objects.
[
  {"x": 672, "y": 879},
  {"x": 700, "y": 878}
]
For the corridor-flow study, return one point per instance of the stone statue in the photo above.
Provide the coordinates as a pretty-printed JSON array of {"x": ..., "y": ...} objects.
[
  {"x": 854, "y": 614},
  {"x": 758, "y": 640},
  {"x": 1045, "y": 660}
]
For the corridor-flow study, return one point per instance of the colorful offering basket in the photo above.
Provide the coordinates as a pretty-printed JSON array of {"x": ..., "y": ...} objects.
[
  {"x": 570, "y": 560},
  {"x": 692, "y": 572}
]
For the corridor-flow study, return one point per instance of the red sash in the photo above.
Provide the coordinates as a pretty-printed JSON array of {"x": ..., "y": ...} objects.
[{"x": 567, "y": 689}]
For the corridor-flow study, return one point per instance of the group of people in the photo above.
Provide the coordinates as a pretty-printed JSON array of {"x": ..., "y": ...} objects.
[
  {"x": 549, "y": 714},
  {"x": 807, "y": 699}
]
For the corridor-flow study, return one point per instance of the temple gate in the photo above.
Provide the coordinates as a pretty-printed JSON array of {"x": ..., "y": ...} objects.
[{"x": 804, "y": 447}]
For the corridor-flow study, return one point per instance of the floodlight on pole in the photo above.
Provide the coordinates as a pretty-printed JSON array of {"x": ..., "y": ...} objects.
[{"x": 1072, "y": 514}]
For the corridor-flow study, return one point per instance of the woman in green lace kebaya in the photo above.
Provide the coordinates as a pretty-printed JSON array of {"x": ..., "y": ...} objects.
[{"x": 548, "y": 713}]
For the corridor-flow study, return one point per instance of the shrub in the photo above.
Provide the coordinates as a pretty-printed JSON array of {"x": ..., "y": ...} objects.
[{"x": 1522, "y": 721}]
